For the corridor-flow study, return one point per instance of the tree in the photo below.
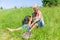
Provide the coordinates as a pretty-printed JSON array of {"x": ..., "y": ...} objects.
[
  {"x": 50, "y": 3},
  {"x": 1, "y": 7},
  {"x": 15, "y": 7}
]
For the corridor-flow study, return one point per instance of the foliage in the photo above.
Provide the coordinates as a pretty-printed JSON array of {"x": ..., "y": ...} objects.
[{"x": 50, "y": 2}]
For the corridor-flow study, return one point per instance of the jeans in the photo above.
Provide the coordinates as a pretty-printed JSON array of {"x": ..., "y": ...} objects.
[
  {"x": 25, "y": 26},
  {"x": 40, "y": 22}
]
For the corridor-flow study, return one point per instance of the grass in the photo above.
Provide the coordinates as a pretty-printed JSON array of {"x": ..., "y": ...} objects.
[{"x": 12, "y": 18}]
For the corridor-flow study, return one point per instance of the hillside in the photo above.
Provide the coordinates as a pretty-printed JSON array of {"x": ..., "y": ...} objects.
[{"x": 12, "y": 18}]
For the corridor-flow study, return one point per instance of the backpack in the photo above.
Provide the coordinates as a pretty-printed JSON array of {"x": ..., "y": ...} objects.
[{"x": 26, "y": 19}]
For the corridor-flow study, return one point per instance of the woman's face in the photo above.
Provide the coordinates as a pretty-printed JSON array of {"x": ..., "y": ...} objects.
[{"x": 35, "y": 9}]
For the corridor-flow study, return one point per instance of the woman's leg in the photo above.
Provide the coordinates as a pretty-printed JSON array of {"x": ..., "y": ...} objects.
[
  {"x": 42, "y": 22},
  {"x": 31, "y": 27},
  {"x": 22, "y": 27}
]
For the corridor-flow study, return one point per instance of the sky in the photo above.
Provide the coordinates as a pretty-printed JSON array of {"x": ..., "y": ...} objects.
[{"x": 6, "y": 4}]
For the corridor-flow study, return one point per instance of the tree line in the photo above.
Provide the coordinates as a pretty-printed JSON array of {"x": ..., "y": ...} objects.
[{"x": 51, "y": 2}]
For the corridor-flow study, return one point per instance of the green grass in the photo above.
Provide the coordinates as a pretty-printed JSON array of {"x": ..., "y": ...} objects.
[{"x": 12, "y": 18}]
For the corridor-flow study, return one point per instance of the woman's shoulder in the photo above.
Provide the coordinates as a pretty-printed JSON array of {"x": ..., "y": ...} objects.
[{"x": 39, "y": 11}]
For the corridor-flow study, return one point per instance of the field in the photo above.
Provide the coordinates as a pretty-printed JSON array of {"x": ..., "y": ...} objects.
[{"x": 11, "y": 18}]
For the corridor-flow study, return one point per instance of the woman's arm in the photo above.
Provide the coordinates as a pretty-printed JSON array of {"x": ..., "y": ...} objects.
[{"x": 30, "y": 21}]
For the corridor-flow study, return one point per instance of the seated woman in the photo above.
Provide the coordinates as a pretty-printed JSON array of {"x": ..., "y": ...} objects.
[{"x": 38, "y": 18}]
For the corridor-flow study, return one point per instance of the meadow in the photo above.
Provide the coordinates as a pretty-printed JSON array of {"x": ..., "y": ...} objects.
[{"x": 11, "y": 18}]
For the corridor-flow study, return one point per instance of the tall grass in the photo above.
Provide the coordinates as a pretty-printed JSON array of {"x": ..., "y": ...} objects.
[{"x": 12, "y": 18}]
